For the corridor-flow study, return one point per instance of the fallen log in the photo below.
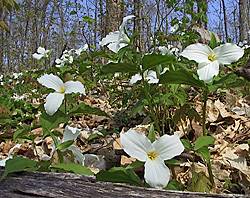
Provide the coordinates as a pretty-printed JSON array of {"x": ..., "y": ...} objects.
[{"x": 71, "y": 185}]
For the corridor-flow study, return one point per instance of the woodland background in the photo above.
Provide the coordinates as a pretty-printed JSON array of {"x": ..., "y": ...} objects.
[{"x": 65, "y": 24}]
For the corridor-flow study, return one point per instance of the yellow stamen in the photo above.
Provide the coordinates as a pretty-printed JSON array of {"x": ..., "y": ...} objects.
[
  {"x": 62, "y": 89},
  {"x": 212, "y": 57},
  {"x": 152, "y": 155}
]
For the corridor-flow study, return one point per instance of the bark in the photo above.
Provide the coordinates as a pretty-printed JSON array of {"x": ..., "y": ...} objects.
[
  {"x": 114, "y": 14},
  {"x": 225, "y": 19},
  {"x": 60, "y": 185},
  {"x": 244, "y": 25}
]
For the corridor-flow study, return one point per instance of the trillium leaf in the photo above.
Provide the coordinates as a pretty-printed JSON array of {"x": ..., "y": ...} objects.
[
  {"x": 64, "y": 145},
  {"x": 18, "y": 164},
  {"x": 151, "y": 133},
  {"x": 180, "y": 77},
  {"x": 50, "y": 122},
  {"x": 85, "y": 109},
  {"x": 72, "y": 167},
  {"x": 204, "y": 153},
  {"x": 200, "y": 183},
  {"x": 112, "y": 68},
  {"x": 203, "y": 141},
  {"x": 152, "y": 60},
  {"x": 119, "y": 175}
]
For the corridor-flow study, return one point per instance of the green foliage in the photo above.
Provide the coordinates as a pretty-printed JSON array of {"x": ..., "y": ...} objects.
[
  {"x": 112, "y": 68},
  {"x": 19, "y": 164},
  {"x": 84, "y": 109},
  {"x": 200, "y": 183},
  {"x": 152, "y": 60},
  {"x": 119, "y": 175},
  {"x": 74, "y": 168},
  {"x": 203, "y": 141},
  {"x": 62, "y": 146}
]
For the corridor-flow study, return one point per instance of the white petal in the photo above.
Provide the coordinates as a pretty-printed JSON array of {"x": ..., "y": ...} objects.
[
  {"x": 124, "y": 21},
  {"x": 53, "y": 102},
  {"x": 110, "y": 38},
  {"x": 135, "y": 78},
  {"x": 197, "y": 52},
  {"x": 41, "y": 50},
  {"x": 115, "y": 47},
  {"x": 51, "y": 81},
  {"x": 152, "y": 77},
  {"x": 79, "y": 157},
  {"x": 58, "y": 61},
  {"x": 37, "y": 56},
  {"x": 3, "y": 162},
  {"x": 228, "y": 53},
  {"x": 206, "y": 72},
  {"x": 135, "y": 144},
  {"x": 70, "y": 133},
  {"x": 168, "y": 146},
  {"x": 74, "y": 87},
  {"x": 156, "y": 173}
]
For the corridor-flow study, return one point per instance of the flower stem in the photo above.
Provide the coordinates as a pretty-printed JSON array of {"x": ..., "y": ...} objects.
[
  {"x": 211, "y": 176},
  {"x": 65, "y": 104},
  {"x": 204, "y": 110}
]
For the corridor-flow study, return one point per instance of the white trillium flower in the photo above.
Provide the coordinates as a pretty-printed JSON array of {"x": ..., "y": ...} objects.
[
  {"x": 118, "y": 39},
  {"x": 41, "y": 52},
  {"x": 138, "y": 146},
  {"x": 54, "y": 100},
  {"x": 150, "y": 76},
  {"x": 209, "y": 60}
]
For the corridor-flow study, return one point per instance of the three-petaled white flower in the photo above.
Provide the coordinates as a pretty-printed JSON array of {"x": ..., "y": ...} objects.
[
  {"x": 41, "y": 52},
  {"x": 209, "y": 60},
  {"x": 137, "y": 145},
  {"x": 118, "y": 39},
  {"x": 54, "y": 100}
]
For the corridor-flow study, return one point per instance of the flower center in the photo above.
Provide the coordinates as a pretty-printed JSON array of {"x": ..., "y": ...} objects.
[
  {"x": 212, "y": 57},
  {"x": 62, "y": 89},
  {"x": 152, "y": 155}
]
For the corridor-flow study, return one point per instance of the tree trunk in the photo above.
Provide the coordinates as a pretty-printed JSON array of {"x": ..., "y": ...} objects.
[
  {"x": 225, "y": 19},
  {"x": 244, "y": 12},
  {"x": 115, "y": 12}
]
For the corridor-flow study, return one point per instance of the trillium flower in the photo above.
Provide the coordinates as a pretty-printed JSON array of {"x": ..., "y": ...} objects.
[
  {"x": 150, "y": 76},
  {"x": 138, "y": 146},
  {"x": 54, "y": 100},
  {"x": 41, "y": 52},
  {"x": 118, "y": 39},
  {"x": 209, "y": 60}
]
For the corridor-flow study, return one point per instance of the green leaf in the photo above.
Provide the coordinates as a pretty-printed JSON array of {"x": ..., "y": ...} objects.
[
  {"x": 151, "y": 133},
  {"x": 174, "y": 185},
  {"x": 50, "y": 122},
  {"x": 84, "y": 109},
  {"x": 75, "y": 168},
  {"x": 200, "y": 183},
  {"x": 203, "y": 141},
  {"x": 18, "y": 164},
  {"x": 180, "y": 77},
  {"x": 64, "y": 145},
  {"x": 119, "y": 175},
  {"x": 186, "y": 143},
  {"x": 152, "y": 60},
  {"x": 213, "y": 41},
  {"x": 229, "y": 81},
  {"x": 204, "y": 153},
  {"x": 112, "y": 68}
]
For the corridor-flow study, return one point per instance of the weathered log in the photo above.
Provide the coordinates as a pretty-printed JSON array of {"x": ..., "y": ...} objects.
[{"x": 71, "y": 185}]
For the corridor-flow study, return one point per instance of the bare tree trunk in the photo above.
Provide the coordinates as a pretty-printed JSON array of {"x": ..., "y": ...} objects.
[
  {"x": 137, "y": 25},
  {"x": 115, "y": 12},
  {"x": 244, "y": 9},
  {"x": 225, "y": 19}
]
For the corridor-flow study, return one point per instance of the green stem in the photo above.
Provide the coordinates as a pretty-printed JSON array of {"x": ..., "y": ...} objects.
[
  {"x": 211, "y": 176},
  {"x": 151, "y": 107},
  {"x": 65, "y": 104},
  {"x": 204, "y": 110}
]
